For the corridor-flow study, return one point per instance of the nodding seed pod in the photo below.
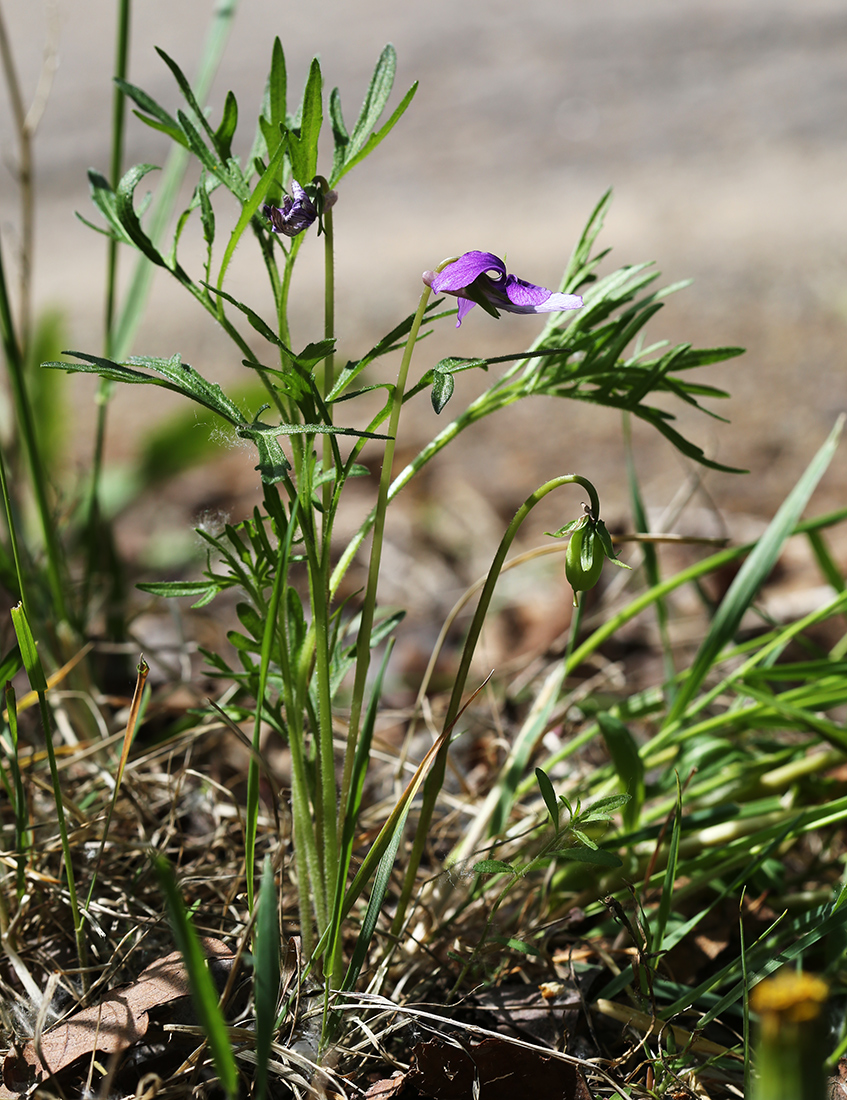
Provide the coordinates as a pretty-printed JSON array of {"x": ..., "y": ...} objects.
[{"x": 584, "y": 558}]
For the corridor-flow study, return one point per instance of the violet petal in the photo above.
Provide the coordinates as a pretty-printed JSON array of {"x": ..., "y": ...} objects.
[{"x": 467, "y": 268}]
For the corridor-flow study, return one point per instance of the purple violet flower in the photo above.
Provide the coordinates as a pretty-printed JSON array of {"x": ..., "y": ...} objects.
[
  {"x": 296, "y": 213},
  {"x": 468, "y": 279}
]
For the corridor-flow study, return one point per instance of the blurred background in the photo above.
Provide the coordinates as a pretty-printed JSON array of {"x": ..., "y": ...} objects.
[{"x": 720, "y": 124}]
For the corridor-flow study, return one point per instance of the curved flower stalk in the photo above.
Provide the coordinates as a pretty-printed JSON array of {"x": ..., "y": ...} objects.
[
  {"x": 434, "y": 780},
  {"x": 469, "y": 280}
]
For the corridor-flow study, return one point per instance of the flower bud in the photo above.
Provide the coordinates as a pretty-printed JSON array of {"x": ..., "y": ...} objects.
[{"x": 584, "y": 558}]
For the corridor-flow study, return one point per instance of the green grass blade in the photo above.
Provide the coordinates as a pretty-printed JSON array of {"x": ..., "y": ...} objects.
[
  {"x": 203, "y": 991},
  {"x": 380, "y": 887},
  {"x": 268, "y": 638},
  {"x": 650, "y": 558},
  {"x": 22, "y": 836},
  {"x": 347, "y": 824},
  {"x": 745, "y": 1008},
  {"x": 752, "y": 574},
  {"x": 386, "y": 833},
  {"x": 670, "y": 875},
  {"x": 38, "y": 682},
  {"x": 265, "y": 975},
  {"x": 826, "y": 563},
  {"x": 627, "y": 762},
  {"x": 835, "y": 921},
  {"x": 15, "y": 362}
]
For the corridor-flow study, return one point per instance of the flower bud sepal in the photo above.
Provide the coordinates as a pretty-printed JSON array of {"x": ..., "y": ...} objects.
[{"x": 589, "y": 547}]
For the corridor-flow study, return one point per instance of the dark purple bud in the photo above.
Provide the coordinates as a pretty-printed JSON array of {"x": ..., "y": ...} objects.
[{"x": 297, "y": 211}]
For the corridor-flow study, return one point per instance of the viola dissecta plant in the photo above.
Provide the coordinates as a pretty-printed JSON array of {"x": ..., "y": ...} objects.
[{"x": 300, "y": 650}]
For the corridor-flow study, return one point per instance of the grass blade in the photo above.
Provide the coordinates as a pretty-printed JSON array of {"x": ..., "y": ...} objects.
[
  {"x": 265, "y": 975},
  {"x": 22, "y": 836},
  {"x": 203, "y": 991},
  {"x": 670, "y": 874},
  {"x": 752, "y": 574},
  {"x": 38, "y": 682},
  {"x": 627, "y": 762}
]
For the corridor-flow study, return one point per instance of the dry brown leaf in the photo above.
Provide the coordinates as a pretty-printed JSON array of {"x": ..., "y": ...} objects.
[
  {"x": 112, "y": 1025},
  {"x": 388, "y": 1088}
]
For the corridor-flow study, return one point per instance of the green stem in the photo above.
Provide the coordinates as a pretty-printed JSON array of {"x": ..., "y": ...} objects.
[
  {"x": 294, "y": 688},
  {"x": 493, "y": 399},
  {"x": 328, "y": 792},
  {"x": 118, "y": 119},
  {"x": 13, "y": 538},
  {"x": 487, "y": 403},
  {"x": 435, "y": 779},
  {"x": 23, "y": 838},
  {"x": 329, "y": 362},
  {"x": 105, "y": 387},
  {"x": 285, "y": 289},
  {"x": 15, "y": 362},
  {"x": 363, "y": 641},
  {"x": 25, "y": 181},
  {"x": 271, "y": 618},
  {"x": 573, "y": 630},
  {"x": 76, "y": 916}
]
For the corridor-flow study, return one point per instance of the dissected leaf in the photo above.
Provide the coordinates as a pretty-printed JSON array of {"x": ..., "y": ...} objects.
[
  {"x": 179, "y": 377},
  {"x": 597, "y": 856},
  {"x": 303, "y": 143},
  {"x": 353, "y": 148},
  {"x": 226, "y": 129},
  {"x": 549, "y": 796},
  {"x": 442, "y": 390},
  {"x": 493, "y": 867}
]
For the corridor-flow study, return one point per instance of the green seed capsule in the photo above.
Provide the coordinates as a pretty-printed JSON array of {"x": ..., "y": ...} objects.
[{"x": 584, "y": 559}]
